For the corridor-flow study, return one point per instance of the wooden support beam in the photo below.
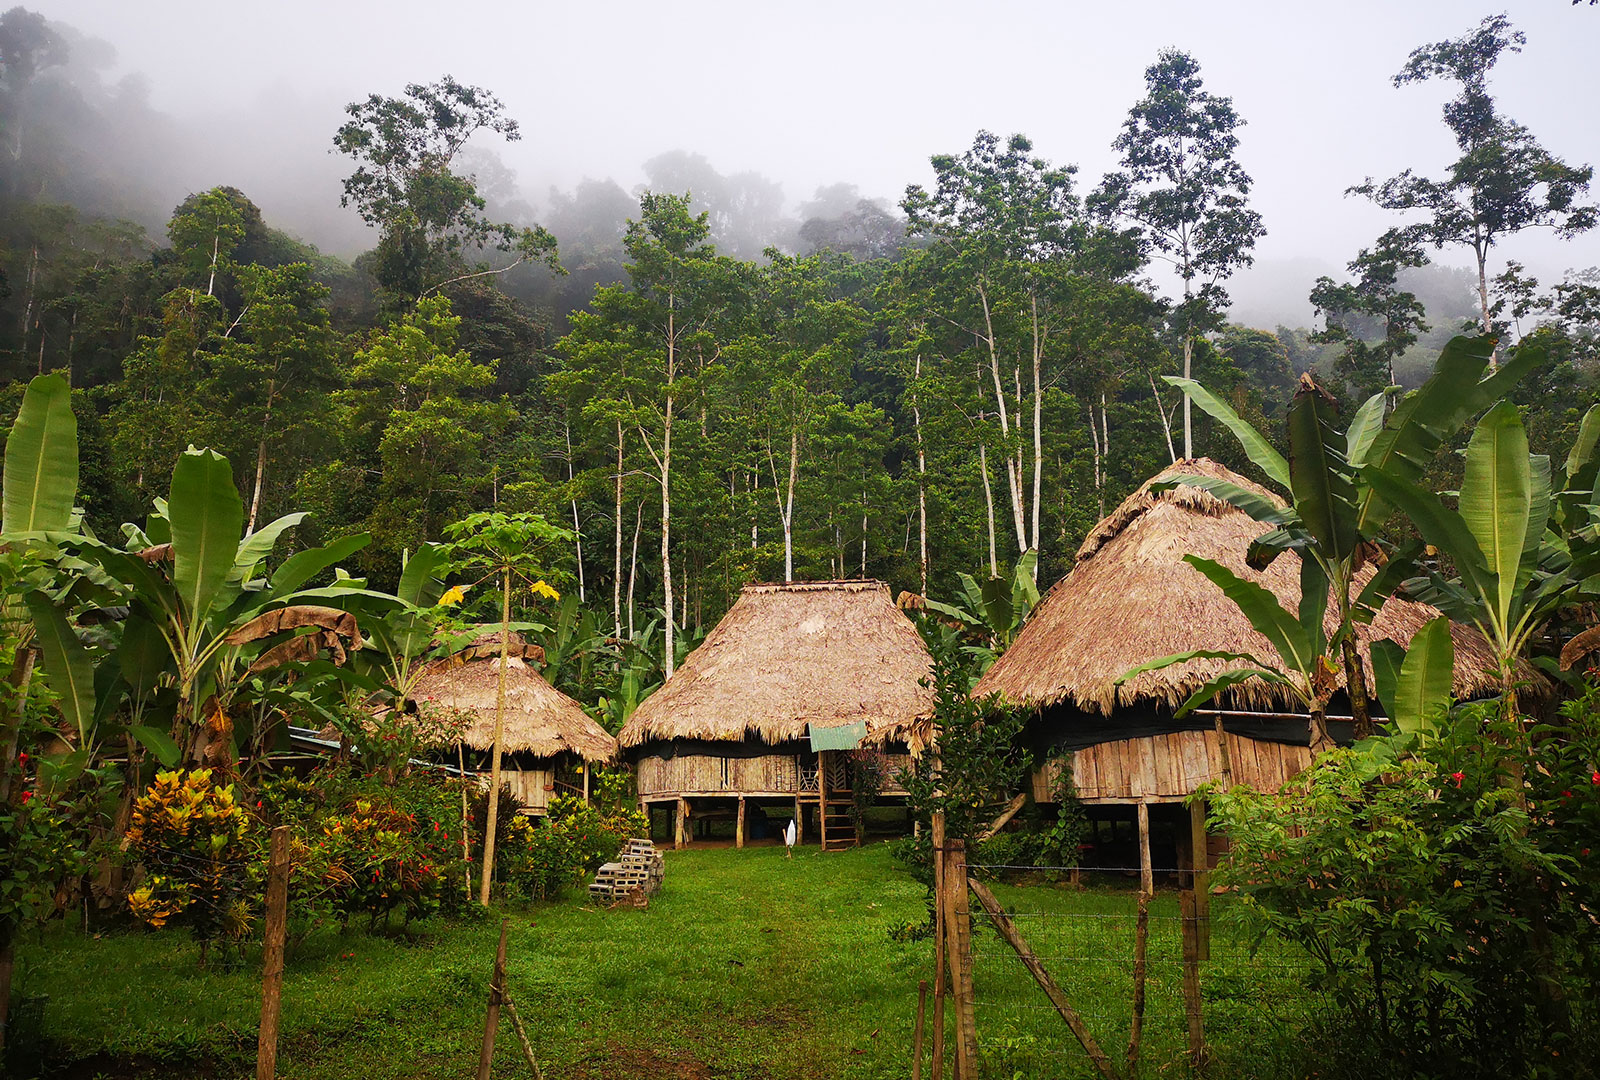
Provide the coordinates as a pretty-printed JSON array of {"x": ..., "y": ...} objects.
[
  {"x": 1008, "y": 932},
  {"x": 799, "y": 822},
  {"x": 679, "y": 823},
  {"x": 738, "y": 827},
  {"x": 1005, "y": 816},
  {"x": 1147, "y": 878}
]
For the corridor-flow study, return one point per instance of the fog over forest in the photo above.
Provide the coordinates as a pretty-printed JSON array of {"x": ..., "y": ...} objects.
[{"x": 786, "y": 101}]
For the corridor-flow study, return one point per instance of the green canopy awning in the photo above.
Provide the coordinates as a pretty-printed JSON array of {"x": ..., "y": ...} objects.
[{"x": 843, "y": 737}]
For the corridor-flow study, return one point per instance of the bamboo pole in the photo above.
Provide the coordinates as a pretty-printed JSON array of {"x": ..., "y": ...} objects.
[
  {"x": 1191, "y": 982},
  {"x": 916, "y": 1038},
  {"x": 938, "y": 945},
  {"x": 1008, "y": 932},
  {"x": 491, "y": 1021},
  {"x": 1141, "y": 937},
  {"x": 272, "y": 954},
  {"x": 1147, "y": 878}
]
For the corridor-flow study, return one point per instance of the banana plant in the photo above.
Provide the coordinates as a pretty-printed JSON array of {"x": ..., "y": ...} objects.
[
  {"x": 989, "y": 615},
  {"x": 1414, "y": 683},
  {"x": 1512, "y": 573},
  {"x": 1333, "y": 511}
]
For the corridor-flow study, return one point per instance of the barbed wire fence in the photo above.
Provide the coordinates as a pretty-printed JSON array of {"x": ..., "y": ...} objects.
[{"x": 1062, "y": 982}]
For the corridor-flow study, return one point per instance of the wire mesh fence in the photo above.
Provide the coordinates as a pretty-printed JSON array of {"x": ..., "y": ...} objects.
[{"x": 1253, "y": 995}]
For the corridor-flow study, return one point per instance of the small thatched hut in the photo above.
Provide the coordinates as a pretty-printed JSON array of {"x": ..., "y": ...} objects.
[
  {"x": 544, "y": 731},
  {"x": 1130, "y": 599},
  {"x": 777, "y": 705}
]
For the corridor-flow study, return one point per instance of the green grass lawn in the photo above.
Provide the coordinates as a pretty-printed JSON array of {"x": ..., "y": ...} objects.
[{"x": 745, "y": 965}]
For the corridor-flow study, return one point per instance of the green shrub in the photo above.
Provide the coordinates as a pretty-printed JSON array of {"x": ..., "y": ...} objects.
[
  {"x": 543, "y": 860},
  {"x": 1449, "y": 908}
]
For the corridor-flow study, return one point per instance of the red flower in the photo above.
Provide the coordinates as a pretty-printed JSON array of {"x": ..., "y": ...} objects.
[
  {"x": 26, "y": 795},
  {"x": 22, "y": 759},
  {"x": 1458, "y": 777},
  {"x": 1595, "y": 779}
]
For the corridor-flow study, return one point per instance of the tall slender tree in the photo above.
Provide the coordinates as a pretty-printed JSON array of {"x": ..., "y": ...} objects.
[{"x": 1182, "y": 185}]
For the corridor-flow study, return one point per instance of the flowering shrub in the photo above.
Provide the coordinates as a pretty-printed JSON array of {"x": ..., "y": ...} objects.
[
  {"x": 543, "y": 860},
  {"x": 191, "y": 837},
  {"x": 1447, "y": 906}
]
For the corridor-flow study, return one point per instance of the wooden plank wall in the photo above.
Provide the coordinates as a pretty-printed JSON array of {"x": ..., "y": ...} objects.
[
  {"x": 1172, "y": 765},
  {"x": 768, "y": 774},
  {"x": 528, "y": 788}
]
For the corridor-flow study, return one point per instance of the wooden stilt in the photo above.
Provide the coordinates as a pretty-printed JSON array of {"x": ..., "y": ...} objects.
[
  {"x": 799, "y": 823},
  {"x": 1147, "y": 878},
  {"x": 1200, "y": 863},
  {"x": 679, "y": 816},
  {"x": 916, "y": 1038},
  {"x": 738, "y": 827}
]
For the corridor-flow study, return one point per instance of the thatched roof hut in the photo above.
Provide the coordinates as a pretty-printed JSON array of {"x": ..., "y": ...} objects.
[
  {"x": 771, "y": 706},
  {"x": 539, "y": 720},
  {"x": 787, "y": 660},
  {"x": 1131, "y": 598}
]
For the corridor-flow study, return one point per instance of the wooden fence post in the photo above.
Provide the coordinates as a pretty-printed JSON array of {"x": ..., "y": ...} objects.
[
  {"x": 272, "y": 954},
  {"x": 938, "y": 945},
  {"x": 1141, "y": 938},
  {"x": 1191, "y": 981},
  {"x": 1200, "y": 866},
  {"x": 738, "y": 829},
  {"x": 680, "y": 813},
  {"x": 958, "y": 925},
  {"x": 491, "y": 1022}
]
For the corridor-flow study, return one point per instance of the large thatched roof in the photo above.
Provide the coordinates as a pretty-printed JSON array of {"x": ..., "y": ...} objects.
[
  {"x": 788, "y": 657},
  {"x": 538, "y": 719},
  {"x": 1131, "y": 598}
]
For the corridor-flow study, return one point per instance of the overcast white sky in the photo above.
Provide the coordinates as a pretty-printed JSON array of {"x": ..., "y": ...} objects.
[{"x": 823, "y": 91}]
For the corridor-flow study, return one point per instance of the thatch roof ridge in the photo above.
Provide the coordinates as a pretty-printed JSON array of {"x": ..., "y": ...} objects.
[
  {"x": 538, "y": 718},
  {"x": 1131, "y": 598},
  {"x": 789, "y": 656}
]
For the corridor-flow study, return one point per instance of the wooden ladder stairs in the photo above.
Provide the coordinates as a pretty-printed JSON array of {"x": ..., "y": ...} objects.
[{"x": 838, "y": 827}]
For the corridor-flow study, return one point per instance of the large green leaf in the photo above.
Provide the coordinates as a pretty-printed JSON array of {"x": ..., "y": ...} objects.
[
  {"x": 1324, "y": 497},
  {"x": 302, "y": 566},
  {"x": 1583, "y": 446},
  {"x": 1259, "y": 507},
  {"x": 1256, "y": 447},
  {"x": 41, "y": 467},
  {"x": 1496, "y": 500},
  {"x": 422, "y": 580},
  {"x": 158, "y": 742},
  {"x": 1422, "y": 690},
  {"x": 1387, "y": 656},
  {"x": 1184, "y": 657},
  {"x": 67, "y": 666},
  {"x": 1439, "y": 526},
  {"x": 143, "y": 656},
  {"x": 1268, "y": 617},
  {"x": 259, "y": 544},
  {"x": 207, "y": 516},
  {"x": 1364, "y": 428},
  {"x": 1314, "y": 589},
  {"x": 1222, "y": 682}
]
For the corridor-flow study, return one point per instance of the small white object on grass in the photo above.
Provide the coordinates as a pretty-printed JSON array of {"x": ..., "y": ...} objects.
[{"x": 788, "y": 839}]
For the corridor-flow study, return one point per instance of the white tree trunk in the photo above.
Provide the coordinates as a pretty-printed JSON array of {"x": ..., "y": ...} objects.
[
  {"x": 1038, "y": 431},
  {"x": 1188, "y": 421},
  {"x": 1013, "y": 479},
  {"x": 616, "y": 581},
  {"x": 261, "y": 458},
  {"x": 988, "y": 502},
  {"x": 922, "y": 486},
  {"x": 577, "y": 535},
  {"x": 633, "y": 563}
]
